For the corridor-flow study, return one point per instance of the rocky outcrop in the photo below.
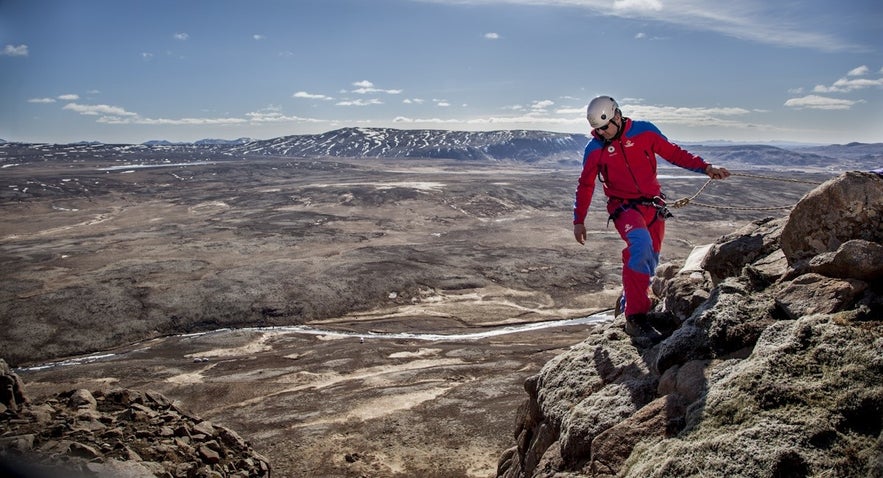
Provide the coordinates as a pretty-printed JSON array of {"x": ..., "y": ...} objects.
[
  {"x": 122, "y": 433},
  {"x": 12, "y": 395},
  {"x": 840, "y": 210},
  {"x": 773, "y": 367}
]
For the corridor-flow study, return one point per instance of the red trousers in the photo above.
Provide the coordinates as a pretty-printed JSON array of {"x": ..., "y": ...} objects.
[{"x": 643, "y": 232}]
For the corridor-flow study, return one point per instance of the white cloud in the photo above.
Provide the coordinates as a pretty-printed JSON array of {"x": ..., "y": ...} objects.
[
  {"x": 172, "y": 121},
  {"x": 845, "y": 85},
  {"x": 848, "y": 83},
  {"x": 119, "y": 116},
  {"x": 181, "y": 36},
  {"x": 41, "y": 100},
  {"x": 541, "y": 105},
  {"x": 859, "y": 71},
  {"x": 94, "y": 110},
  {"x": 405, "y": 119},
  {"x": 571, "y": 111},
  {"x": 15, "y": 50},
  {"x": 753, "y": 20},
  {"x": 492, "y": 36},
  {"x": 259, "y": 37},
  {"x": 146, "y": 55},
  {"x": 817, "y": 102},
  {"x": 638, "y": 5},
  {"x": 409, "y": 101},
  {"x": 372, "y": 101},
  {"x": 365, "y": 87},
  {"x": 640, "y": 36},
  {"x": 69, "y": 97},
  {"x": 698, "y": 116},
  {"x": 275, "y": 116},
  {"x": 311, "y": 96}
]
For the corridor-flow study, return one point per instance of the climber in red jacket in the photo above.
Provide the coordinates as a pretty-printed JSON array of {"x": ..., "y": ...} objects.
[{"x": 622, "y": 155}]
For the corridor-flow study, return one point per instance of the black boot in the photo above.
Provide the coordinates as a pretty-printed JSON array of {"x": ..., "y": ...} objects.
[{"x": 639, "y": 328}]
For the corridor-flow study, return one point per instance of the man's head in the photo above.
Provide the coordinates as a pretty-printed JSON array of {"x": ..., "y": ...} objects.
[{"x": 600, "y": 112}]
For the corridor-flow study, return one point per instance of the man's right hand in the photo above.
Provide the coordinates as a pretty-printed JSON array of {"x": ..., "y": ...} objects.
[{"x": 579, "y": 232}]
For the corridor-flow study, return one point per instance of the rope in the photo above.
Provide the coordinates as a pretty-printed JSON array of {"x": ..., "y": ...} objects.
[
  {"x": 774, "y": 178},
  {"x": 683, "y": 202}
]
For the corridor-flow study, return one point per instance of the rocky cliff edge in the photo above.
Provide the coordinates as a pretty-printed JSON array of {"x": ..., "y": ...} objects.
[
  {"x": 771, "y": 367},
  {"x": 119, "y": 434}
]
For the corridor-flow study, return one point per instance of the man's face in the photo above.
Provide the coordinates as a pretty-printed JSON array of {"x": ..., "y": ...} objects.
[{"x": 609, "y": 130}]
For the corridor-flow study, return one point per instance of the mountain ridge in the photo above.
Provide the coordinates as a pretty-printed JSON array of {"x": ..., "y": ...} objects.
[{"x": 526, "y": 146}]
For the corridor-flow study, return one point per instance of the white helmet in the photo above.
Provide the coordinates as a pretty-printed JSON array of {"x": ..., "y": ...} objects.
[{"x": 601, "y": 110}]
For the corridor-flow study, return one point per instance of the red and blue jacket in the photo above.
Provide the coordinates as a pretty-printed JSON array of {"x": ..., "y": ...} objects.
[{"x": 626, "y": 165}]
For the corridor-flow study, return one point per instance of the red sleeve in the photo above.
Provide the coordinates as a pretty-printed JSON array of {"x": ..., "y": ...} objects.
[
  {"x": 678, "y": 156},
  {"x": 585, "y": 188}
]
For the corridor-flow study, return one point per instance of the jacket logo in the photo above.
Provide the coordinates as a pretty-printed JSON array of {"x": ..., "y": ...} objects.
[{"x": 629, "y": 143}]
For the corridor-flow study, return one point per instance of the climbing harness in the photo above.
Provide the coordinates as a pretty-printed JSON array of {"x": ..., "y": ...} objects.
[
  {"x": 658, "y": 202},
  {"x": 689, "y": 200}
]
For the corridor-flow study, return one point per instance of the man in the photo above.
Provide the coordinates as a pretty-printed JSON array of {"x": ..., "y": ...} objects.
[{"x": 622, "y": 155}]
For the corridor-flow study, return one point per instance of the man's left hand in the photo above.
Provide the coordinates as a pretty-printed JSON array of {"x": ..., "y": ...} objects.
[{"x": 717, "y": 173}]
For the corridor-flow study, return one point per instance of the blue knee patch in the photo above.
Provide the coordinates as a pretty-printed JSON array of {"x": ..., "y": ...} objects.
[{"x": 642, "y": 257}]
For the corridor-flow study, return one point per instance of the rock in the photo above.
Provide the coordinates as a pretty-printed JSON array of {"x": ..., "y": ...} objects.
[
  {"x": 610, "y": 449},
  {"x": 204, "y": 428},
  {"x": 778, "y": 409},
  {"x": 208, "y": 455},
  {"x": 767, "y": 270},
  {"x": 844, "y": 208},
  {"x": 681, "y": 292},
  {"x": 81, "y": 399},
  {"x": 113, "y": 468},
  {"x": 79, "y": 450},
  {"x": 857, "y": 258},
  {"x": 124, "y": 433},
  {"x": 12, "y": 394},
  {"x": 688, "y": 380},
  {"x": 734, "y": 251},
  {"x": 774, "y": 371},
  {"x": 813, "y": 294}
]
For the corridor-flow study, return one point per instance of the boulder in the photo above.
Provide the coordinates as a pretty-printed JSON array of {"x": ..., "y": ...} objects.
[
  {"x": 856, "y": 258},
  {"x": 12, "y": 395},
  {"x": 813, "y": 294},
  {"x": 681, "y": 290},
  {"x": 734, "y": 251},
  {"x": 844, "y": 208}
]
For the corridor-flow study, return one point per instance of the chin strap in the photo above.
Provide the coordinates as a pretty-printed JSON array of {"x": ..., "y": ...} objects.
[{"x": 618, "y": 128}]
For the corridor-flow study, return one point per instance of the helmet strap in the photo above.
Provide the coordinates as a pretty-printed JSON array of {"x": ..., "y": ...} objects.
[{"x": 618, "y": 127}]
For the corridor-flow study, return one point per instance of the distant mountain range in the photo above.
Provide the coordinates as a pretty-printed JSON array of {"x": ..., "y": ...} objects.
[
  {"x": 202, "y": 142},
  {"x": 536, "y": 147}
]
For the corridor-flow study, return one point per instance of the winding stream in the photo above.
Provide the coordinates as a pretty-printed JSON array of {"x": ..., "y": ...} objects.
[{"x": 600, "y": 317}]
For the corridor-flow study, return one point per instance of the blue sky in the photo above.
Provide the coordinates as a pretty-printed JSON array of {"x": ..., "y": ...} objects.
[{"x": 120, "y": 71}]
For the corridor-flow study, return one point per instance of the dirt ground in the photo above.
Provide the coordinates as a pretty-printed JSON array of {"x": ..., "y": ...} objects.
[{"x": 195, "y": 281}]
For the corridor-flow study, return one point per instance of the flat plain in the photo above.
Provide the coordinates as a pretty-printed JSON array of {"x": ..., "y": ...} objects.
[{"x": 347, "y": 317}]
